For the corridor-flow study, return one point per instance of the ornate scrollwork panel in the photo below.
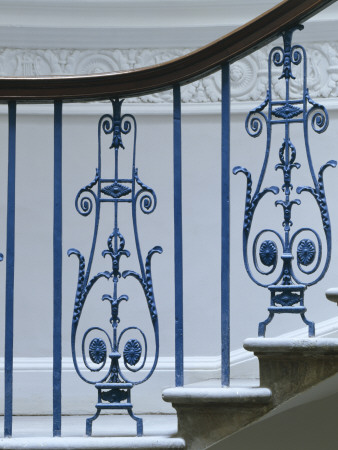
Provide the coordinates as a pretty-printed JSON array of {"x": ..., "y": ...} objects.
[
  {"x": 100, "y": 345},
  {"x": 301, "y": 247}
]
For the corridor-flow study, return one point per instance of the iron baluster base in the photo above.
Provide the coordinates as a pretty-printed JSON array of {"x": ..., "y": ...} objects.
[
  {"x": 116, "y": 396},
  {"x": 283, "y": 299},
  {"x": 89, "y": 422}
]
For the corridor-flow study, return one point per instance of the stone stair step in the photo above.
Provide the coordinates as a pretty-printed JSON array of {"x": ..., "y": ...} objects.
[
  {"x": 107, "y": 425},
  {"x": 110, "y": 431},
  {"x": 288, "y": 367},
  {"x": 310, "y": 347},
  {"x": 234, "y": 383},
  {"x": 216, "y": 412},
  {"x": 291, "y": 366},
  {"x": 92, "y": 443},
  {"x": 221, "y": 395}
]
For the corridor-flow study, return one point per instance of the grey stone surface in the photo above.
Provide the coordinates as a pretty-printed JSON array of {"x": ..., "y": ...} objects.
[
  {"x": 114, "y": 431},
  {"x": 107, "y": 425},
  {"x": 287, "y": 367},
  {"x": 289, "y": 347},
  {"x": 332, "y": 294},
  {"x": 223, "y": 396},
  {"x": 76, "y": 443},
  {"x": 307, "y": 427},
  {"x": 215, "y": 412}
]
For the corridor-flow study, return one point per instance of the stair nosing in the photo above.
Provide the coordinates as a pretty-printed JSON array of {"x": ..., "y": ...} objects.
[{"x": 222, "y": 395}]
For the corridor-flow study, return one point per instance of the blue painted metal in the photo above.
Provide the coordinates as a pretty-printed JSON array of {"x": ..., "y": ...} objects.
[
  {"x": 10, "y": 255},
  {"x": 104, "y": 352},
  {"x": 225, "y": 262},
  {"x": 57, "y": 269},
  {"x": 287, "y": 288},
  {"x": 178, "y": 240}
]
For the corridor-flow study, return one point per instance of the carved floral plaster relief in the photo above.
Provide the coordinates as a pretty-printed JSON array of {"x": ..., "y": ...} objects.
[{"x": 248, "y": 76}]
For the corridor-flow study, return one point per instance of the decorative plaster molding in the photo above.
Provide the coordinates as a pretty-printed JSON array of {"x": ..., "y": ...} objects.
[
  {"x": 37, "y": 62},
  {"x": 165, "y": 363},
  {"x": 248, "y": 76},
  {"x": 194, "y": 364},
  {"x": 165, "y": 23},
  {"x": 115, "y": 14},
  {"x": 102, "y": 23}
]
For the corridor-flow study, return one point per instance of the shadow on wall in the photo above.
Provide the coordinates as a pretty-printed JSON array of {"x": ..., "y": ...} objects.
[{"x": 311, "y": 426}]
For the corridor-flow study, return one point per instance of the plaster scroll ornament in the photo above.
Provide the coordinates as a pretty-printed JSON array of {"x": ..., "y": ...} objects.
[{"x": 248, "y": 75}]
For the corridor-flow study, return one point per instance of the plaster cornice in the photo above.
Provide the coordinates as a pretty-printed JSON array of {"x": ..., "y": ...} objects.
[
  {"x": 129, "y": 13},
  {"x": 106, "y": 24}
]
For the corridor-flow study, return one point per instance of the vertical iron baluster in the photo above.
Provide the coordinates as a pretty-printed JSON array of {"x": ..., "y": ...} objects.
[
  {"x": 178, "y": 239},
  {"x": 10, "y": 270},
  {"x": 293, "y": 254},
  {"x": 57, "y": 268},
  {"x": 113, "y": 383},
  {"x": 225, "y": 267}
]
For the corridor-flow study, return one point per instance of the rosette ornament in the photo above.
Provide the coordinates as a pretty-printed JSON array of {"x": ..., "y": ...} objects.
[{"x": 268, "y": 253}]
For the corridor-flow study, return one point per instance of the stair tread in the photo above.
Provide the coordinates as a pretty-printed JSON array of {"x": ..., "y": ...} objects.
[
  {"x": 99, "y": 443},
  {"x": 310, "y": 346},
  {"x": 234, "y": 382},
  {"x": 222, "y": 395},
  {"x": 111, "y": 425}
]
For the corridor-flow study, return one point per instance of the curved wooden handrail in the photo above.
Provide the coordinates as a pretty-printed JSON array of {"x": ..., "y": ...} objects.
[{"x": 160, "y": 77}]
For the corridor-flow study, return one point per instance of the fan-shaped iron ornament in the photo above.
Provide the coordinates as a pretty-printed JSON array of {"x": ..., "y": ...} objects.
[
  {"x": 113, "y": 386},
  {"x": 287, "y": 288}
]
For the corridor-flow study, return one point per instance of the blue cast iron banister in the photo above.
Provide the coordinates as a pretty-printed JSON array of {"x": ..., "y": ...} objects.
[
  {"x": 57, "y": 270},
  {"x": 287, "y": 288},
  {"x": 10, "y": 258},
  {"x": 114, "y": 386},
  {"x": 225, "y": 228},
  {"x": 178, "y": 237}
]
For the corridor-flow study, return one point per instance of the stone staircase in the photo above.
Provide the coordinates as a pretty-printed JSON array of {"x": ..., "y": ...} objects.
[
  {"x": 206, "y": 414},
  {"x": 102, "y": 443},
  {"x": 112, "y": 431},
  {"x": 287, "y": 368}
]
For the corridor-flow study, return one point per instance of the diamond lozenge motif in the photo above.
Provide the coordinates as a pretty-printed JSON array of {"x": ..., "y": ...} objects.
[
  {"x": 116, "y": 190},
  {"x": 287, "y": 111}
]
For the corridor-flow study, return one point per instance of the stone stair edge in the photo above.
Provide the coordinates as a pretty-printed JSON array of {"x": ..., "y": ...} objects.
[
  {"x": 221, "y": 395},
  {"x": 91, "y": 443},
  {"x": 320, "y": 346}
]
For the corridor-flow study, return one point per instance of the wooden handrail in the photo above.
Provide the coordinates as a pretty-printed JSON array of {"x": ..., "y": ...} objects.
[{"x": 192, "y": 66}]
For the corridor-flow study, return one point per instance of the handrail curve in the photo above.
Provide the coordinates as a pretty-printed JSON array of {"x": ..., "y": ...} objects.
[{"x": 156, "y": 78}]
